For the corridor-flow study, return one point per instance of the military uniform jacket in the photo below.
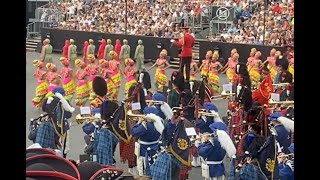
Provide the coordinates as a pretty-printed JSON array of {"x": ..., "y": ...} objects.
[
  {"x": 108, "y": 48},
  {"x": 139, "y": 54},
  {"x": 125, "y": 52},
  {"x": 91, "y": 49},
  {"x": 72, "y": 52},
  {"x": 47, "y": 52}
]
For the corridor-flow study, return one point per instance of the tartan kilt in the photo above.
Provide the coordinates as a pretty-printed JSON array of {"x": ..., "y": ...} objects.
[
  {"x": 127, "y": 152},
  {"x": 183, "y": 174},
  {"x": 194, "y": 151}
]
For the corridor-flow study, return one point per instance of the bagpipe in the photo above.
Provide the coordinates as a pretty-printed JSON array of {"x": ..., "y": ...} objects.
[{"x": 34, "y": 124}]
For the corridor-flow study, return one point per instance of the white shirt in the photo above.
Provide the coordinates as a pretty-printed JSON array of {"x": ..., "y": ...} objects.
[{"x": 71, "y": 10}]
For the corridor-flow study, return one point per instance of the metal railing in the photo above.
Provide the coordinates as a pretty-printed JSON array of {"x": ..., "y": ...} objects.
[{"x": 34, "y": 29}]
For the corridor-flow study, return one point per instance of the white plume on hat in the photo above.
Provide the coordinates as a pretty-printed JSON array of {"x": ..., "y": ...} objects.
[
  {"x": 216, "y": 117},
  {"x": 65, "y": 104},
  {"x": 157, "y": 122},
  {"x": 226, "y": 143},
  {"x": 167, "y": 111},
  {"x": 287, "y": 123},
  {"x": 34, "y": 146}
]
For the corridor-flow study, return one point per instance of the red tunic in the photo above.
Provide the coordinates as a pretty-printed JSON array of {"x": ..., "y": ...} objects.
[{"x": 186, "y": 46}]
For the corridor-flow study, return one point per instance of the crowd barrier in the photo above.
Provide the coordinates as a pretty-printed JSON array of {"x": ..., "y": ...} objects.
[{"x": 153, "y": 45}]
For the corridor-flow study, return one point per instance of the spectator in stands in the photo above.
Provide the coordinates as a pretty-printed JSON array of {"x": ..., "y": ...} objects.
[
  {"x": 276, "y": 9},
  {"x": 54, "y": 23}
]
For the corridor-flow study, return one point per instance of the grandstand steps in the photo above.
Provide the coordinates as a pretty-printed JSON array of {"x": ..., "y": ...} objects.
[
  {"x": 195, "y": 50},
  {"x": 32, "y": 44}
]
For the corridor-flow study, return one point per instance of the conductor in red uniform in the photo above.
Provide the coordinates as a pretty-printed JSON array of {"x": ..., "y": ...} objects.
[{"x": 186, "y": 43}]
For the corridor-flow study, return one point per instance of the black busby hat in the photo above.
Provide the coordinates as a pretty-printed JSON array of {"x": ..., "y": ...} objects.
[
  {"x": 41, "y": 171},
  {"x": 178, "y": 80},
  {"x": 99, "y": 86},
  {"x": 92, "y": 171},
  {"x": 88, "y": 169},
  {"x": 107, "y": 173},
  {"x": 38, "y": 151},
  {"x": 59, "y": 164}
]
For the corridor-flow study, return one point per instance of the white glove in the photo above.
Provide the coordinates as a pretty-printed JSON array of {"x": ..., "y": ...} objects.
[
  {"x": 172, "y": 40},
  {"x": 214, "y": 113}
]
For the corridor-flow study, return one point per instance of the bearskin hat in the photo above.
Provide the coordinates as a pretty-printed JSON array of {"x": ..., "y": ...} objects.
[{"x": 99, "y": 86}]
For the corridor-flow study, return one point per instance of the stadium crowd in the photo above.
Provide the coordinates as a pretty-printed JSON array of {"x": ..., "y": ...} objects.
[{"x": 162, "y": 18}]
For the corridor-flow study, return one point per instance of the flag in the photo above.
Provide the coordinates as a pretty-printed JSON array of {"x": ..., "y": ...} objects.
[
  {"x": 180, "y": 145},
  {"x": 267, "y": 158},
  {"x": 119, "y": 124},
  {"x": 263, "y": 92}
]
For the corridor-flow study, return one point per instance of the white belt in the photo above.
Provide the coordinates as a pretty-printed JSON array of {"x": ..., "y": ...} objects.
[
  {"x": 148, "y": 143},
  {"x": 214, "y": 162}
]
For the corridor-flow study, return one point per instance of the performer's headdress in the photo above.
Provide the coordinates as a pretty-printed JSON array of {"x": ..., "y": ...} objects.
[
  {"x": 109, "y": 41},
  {"x": 254, "y": 50},
  {"x": 71, "y": 41},
  {"x": 113, "y": 54},
  {"x": 80, "y": 64},
  {"x": 65, "y": 62},
  {"x": 37, "y": 63},
  {"x": 51, "y": 166},
  {"x": 90, "y": 41},
  {"x": 129, "y": 62},
  {"x": 99, "y": 86},
  {"x": 91, "y": 58},
  {"x": 125, "y": 41},
  {"x": 51, "y": 67},
  {"x": 140, "y": 42},
  {"x": 178, "y": 80},
  {"x": 209, "y": 54}
]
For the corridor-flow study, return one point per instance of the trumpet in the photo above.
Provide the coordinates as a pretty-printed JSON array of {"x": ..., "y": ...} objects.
[
  {"x": 199, "y": 137},
  {"x": 271, "y": 102},
  {"x": 152, "y": 102},
  {"x": 281, "y": 84},
  {"x": 138, "y": 117},
  {"x": 80, "y": 119},
  {"x": 202, "y": 112}
]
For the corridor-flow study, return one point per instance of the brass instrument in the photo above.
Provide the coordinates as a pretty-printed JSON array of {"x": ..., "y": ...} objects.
[
  {"x": 223, "y": 95},
  {"x": 203, "y": 112},
  {"x": 80, "y": 119},
  {"x": 281, "y": 84},
  {"x": 271, "y": 102},
  {"x": 138, "y": 117},
  {"x": 152, "y": 102},
  {"x": 198, "y": 137}
]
